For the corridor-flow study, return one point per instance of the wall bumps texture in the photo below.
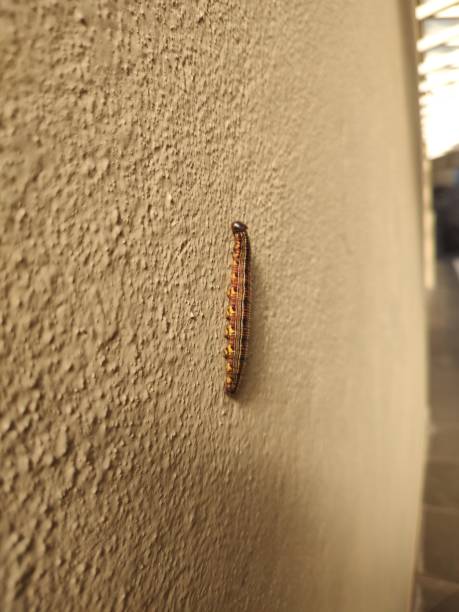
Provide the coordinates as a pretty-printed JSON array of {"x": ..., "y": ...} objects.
[{"x": 132, "y": 134}]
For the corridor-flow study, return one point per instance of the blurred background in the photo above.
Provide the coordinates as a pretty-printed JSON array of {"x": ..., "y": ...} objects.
[{"x": 438, "y": 70}]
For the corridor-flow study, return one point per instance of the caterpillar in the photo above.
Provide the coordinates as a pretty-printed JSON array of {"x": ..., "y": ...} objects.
[{"x": 238, "y": 310}]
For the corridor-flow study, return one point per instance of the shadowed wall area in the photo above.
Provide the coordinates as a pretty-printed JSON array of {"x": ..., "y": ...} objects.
[{"x": 132, "y": 135}]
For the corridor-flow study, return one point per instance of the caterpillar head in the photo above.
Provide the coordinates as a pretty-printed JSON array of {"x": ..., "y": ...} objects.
[{"x": 238, "y": 227}]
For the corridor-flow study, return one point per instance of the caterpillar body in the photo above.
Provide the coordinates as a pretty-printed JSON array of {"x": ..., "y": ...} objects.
[{"x": 238, "y": 310}]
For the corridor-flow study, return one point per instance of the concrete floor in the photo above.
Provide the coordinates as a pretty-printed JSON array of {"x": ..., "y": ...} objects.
[{"x": 438, "y": 578}]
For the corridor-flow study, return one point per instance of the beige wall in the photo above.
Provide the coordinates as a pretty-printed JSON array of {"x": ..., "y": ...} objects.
[{"x": 132, "y": 134}]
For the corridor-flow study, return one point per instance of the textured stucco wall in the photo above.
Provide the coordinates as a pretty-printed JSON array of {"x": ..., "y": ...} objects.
[{"x": 132, "y": 134}]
